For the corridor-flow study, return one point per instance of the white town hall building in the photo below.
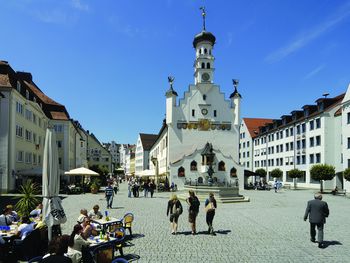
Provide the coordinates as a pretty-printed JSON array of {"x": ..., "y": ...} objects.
[{"x": 201, "y": 130}]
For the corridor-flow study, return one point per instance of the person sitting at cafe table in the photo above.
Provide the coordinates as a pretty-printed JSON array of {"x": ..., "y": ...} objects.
[
  {"x": 77, "y": 241},
  {"x": 37, "y": 211},
  {"x": 13, "y": 214},
  {"x": 25, "y": 228},
  {"x": 5, "y": 217},
  {"x": 83, "y": 214},
  {"x": 95, "y": 213},
  {"x": 88, "y": 229},
  {"x": 58, "y": 247}
]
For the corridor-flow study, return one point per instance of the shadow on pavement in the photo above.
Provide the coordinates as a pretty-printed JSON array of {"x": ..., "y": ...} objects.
[
  {"x": 331, "y": 243},
  {"x": 135, "y": 236},
  {"x": 223, "y": 232}
]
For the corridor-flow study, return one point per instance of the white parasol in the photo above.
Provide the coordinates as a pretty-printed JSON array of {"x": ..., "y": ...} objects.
[{"x": 53, "y": 213}]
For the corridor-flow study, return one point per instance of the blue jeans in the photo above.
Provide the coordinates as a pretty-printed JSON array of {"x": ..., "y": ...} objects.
[{"x": 109, "y": 201}]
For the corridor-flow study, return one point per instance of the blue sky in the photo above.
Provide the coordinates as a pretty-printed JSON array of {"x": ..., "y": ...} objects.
[{"x": 108, "y": 61}]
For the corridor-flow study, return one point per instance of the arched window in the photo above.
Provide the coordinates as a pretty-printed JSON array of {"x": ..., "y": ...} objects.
[
  {"x": 233, "y": 172},
  {"x": 193, "y": 166},
  {"x": 208, "y": 65},
  {"x": 209, "y": 51},
  {"x": 205, "y": 51},
  {"x": 200, "y": 51},
  {"x": 204, "y": 97},
  {"x": 203, "y": 65},
  {"x": 222, "y": 166},
  {"x": 181, "y": 172}
]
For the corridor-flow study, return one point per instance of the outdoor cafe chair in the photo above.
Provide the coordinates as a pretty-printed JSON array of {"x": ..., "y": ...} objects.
[
  {"x": 120, "y": 260},
  {"x": 103, "y": 253},
  {"x": 127, "y": 221},
  {"x": 114, "y": 226},
  {"x": 119, "y": 235},
  {"x": 29, "y": 247}
]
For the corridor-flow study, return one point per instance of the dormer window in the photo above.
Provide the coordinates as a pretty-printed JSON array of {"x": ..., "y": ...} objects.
[
  {"x": 18, "y": 86},
  {"x": 320, "y": 106}
]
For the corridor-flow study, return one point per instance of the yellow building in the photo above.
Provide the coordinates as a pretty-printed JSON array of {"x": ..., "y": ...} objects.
[{"x": 97, "y": 154}]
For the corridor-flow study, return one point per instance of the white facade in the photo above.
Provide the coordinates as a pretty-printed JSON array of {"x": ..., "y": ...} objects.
[
  {"x": 202, "y": 116},
  {"x": 318, "y": 134},
  {"x": 345, "y": 128}
]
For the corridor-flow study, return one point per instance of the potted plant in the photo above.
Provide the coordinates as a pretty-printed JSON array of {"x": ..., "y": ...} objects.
[
  {"x": 95, "y": 186},
  {"x": 28, "y": 199}
]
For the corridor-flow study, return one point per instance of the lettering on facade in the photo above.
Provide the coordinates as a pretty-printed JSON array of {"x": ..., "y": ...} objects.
[{"x": 204, "y": 125}]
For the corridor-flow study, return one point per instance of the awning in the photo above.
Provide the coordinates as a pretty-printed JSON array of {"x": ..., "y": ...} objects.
[{"x": 81, "y": 171}]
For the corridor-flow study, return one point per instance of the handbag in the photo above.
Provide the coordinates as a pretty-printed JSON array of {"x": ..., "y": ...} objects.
[{"x": 209, "y": 207}]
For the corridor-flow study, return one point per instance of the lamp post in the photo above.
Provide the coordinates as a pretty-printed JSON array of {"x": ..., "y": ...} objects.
[{"x": 156, "y": 168}]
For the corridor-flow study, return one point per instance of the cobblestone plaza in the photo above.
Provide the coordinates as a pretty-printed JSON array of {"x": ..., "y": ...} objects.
[{"x": 269, "y": 228}]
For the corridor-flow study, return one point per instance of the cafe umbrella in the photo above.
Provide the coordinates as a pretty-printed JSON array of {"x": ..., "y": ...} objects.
[{"x": 53, "y": 213}]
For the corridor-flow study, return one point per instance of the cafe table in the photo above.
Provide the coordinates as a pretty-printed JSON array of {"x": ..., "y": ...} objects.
[{"x": 7, "y": 232}]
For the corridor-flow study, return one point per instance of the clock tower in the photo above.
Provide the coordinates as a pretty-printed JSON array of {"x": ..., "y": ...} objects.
[{"x": 204, "y": 63}]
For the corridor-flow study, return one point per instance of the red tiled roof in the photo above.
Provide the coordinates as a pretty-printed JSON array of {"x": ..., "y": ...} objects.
[
  {"x": 253, "y": 125},
  {"x": 59, "y": 115},
  {"x": 40, "y": 94},
  {"x": 338, "y": 112}
]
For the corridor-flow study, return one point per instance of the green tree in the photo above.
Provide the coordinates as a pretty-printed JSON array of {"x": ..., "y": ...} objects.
[
  {"x": 28, "y": 201},
  {"x": 295, "y": 174},
  {"x": 277, "y": 173},
  {"x": 347, "y": 174},
  {"x": 261, "y": 172},
  {"x": 322, "y": 172}
]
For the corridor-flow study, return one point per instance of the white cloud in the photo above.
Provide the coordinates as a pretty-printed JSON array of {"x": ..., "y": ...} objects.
[
  {"x": 306, "y": 38},
  {"x": 51, "y": 17},
  {"x": 314, "y": 71},
  {"x": 78, "y": 4}
]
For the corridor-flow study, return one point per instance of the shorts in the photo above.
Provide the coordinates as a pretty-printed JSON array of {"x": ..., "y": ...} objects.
[
  {"x": 174, "y": 217},
  {"x": 192, "y": 215}
]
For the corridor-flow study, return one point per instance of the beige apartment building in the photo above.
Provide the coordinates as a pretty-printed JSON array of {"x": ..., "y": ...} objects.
[{"x": 25, "y": 113}]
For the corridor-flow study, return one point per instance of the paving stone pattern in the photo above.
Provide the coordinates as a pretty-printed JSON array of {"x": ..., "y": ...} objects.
[{"x": 269, "y": 228}]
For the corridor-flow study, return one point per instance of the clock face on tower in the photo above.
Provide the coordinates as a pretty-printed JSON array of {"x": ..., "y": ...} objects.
[{"x": 205, "y": 76}]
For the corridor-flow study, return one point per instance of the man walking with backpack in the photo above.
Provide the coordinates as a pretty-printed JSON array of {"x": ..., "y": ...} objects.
[{"x": 193, "y": 210}]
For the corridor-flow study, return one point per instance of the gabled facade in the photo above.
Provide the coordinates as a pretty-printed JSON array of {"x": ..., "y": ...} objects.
[
  {"x": 202, "y": 118},
  {"x": 143, "y": 145},
  {"x": 97, "y": 154}
]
